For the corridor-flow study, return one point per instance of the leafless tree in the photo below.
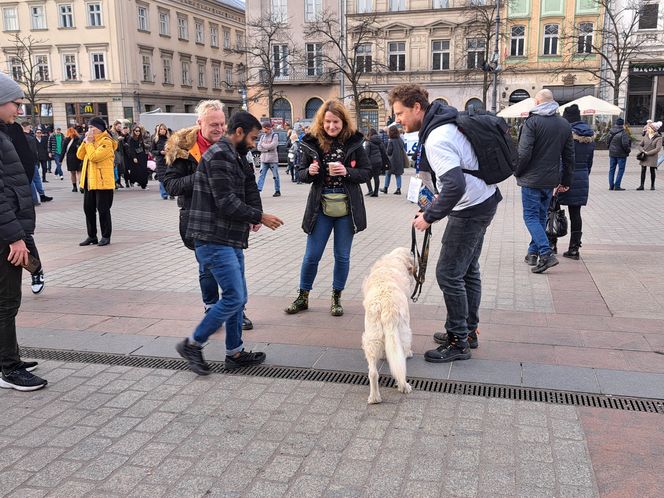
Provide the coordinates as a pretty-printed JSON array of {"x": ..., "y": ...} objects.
[
  {"x": 265, "y": 63},
  {"x": 27, "y": 69}
]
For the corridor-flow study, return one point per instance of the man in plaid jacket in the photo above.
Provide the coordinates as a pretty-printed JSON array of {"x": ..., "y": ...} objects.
[{"x": 225, "y": 206}]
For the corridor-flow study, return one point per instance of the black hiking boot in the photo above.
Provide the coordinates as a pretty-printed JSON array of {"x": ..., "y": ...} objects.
[
  {"x": 455, "y": 350},
  {"x": 443, "y": 338},
  {"x": 244, "y": 359},
  {"x": 193, "y": 353}
]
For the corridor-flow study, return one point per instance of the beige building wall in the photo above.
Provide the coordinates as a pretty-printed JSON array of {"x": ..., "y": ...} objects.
[{"x": 134, "y": 44}]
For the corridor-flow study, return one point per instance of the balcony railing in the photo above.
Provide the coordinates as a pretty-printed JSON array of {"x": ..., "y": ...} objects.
[{"x": 302, "y": 76}]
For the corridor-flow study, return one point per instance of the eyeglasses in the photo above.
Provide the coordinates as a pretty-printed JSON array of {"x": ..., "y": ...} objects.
[{"x": 17, "y": 104}]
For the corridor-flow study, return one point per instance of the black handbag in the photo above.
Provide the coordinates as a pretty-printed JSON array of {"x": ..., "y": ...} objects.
[
  {"x": 556, "y": 219},
  {"x": 641, "y": 156}
]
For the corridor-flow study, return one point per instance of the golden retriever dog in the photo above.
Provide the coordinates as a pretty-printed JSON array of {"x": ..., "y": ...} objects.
[{"x": 387, "y": 331}]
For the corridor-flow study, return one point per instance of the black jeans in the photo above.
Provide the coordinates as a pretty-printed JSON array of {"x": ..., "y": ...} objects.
[
  {"x": 10, "y": 302},
  {"x": 44, "y": 166},
  {"x": 376, "y": 179},
  {"x": 458, "y": 272},
  {"x": 98, "y": 201},
  {"x": 576, "y": 223}
]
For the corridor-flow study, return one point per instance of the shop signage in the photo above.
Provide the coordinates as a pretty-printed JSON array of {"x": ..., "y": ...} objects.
[
  {"x": 655, "y": 68},
  {"x": 86, "y": 108}
]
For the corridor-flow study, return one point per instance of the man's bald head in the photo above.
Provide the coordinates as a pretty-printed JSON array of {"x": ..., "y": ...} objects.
[{"x": 544, "y": 96}]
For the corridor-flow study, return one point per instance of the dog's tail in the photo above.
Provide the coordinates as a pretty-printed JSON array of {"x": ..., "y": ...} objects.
[{"x": 395, "y": 355}]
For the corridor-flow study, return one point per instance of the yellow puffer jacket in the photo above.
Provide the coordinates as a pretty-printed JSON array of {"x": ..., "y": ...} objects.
[{"x": 97, "y": 160}]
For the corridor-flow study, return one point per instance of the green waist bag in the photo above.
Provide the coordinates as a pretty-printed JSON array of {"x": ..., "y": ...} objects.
[{"x": 335, "y": 205}]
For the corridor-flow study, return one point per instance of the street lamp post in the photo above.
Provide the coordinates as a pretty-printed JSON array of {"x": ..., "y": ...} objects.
[{"x": 496, "y": 59}]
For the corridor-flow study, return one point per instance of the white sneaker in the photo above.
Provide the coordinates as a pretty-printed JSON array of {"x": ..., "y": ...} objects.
[{"x": 37, "y": 283}]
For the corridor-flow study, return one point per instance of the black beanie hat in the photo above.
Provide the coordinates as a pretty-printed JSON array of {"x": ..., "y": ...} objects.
[
  {"x": 620, "y": 122},
  {"x": 572, "y": 113},
  {"x": 98, "y": 123}
]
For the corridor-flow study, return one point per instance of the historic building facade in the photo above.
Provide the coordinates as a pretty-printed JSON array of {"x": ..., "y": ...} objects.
[{"x": 118, "y": 58}]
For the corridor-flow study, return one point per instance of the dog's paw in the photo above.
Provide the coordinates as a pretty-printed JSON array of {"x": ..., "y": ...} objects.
[
  {"x": 406, "y": 389},
  {"x": 373, "y": 400},
  {"x": 409, "y": 354}
]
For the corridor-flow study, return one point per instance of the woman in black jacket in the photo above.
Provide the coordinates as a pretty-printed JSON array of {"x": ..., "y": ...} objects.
[
  {"x": 333, "y": 160},
  {"x": 138, "y": 155},
  {"x": 396, "y": 153},
  {"x": 378, "y": 159},
  {"x": 69, "y": 159},
  {"x": 159, "y": 140}
]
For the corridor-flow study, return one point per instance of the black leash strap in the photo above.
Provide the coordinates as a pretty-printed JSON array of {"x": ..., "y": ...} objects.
[{"x": 421, "y": 259}]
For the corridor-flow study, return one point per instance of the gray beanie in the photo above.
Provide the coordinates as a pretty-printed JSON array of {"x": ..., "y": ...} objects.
[{"x": 9, "y": 89}]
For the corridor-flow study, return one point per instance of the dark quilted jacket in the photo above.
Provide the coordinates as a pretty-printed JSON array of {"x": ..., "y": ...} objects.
[
  {"x": 584, "y": 148},
  {"x": 17, "y": 213}
]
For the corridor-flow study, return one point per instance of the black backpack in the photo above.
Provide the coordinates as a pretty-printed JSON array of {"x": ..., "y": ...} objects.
[{"x": 494, "y": 147}]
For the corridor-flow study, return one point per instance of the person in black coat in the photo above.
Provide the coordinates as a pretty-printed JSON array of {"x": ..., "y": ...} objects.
[
  {"x": 69, "y": 159},
  {"x": 159, "y": 140},
  {"x": 378, "y": 160},
  {"x": 42, "y": 152},
  {"x": 577, "y": 195},
  {"x": 334, "y": 162},
  {"x": 620, "y": 145},
  {"x": 396, "y": 153},
  {"x": 137, "y": 153}
]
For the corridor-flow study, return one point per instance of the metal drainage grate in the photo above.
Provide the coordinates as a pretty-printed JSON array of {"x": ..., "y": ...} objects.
[{"x": 360, "y": 379}]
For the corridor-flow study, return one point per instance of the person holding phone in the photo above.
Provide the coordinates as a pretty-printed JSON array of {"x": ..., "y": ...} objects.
[{"x": 334, "y": 162}]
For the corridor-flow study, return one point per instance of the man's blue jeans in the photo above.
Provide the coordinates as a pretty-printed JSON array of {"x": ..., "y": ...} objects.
[
  {"x": 58, "y": 165},
  {"x": 209, "y": 287},
  {"x": 388, "y": 175},
  {"x": 227, "y": 266},
  {"x": 613, "y": 162},
  {"x": 535, "y": 203},
  {"x": 316, "y": 242},
  {"x": 274, "y": 167},
  {"x": 162, "y": 191},
  {"x": 458, "y": 272},
  {"x": 37, "y": 186}
]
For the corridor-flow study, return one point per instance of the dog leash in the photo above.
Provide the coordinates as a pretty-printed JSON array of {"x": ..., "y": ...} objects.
[{"x": 421, "y": 258}]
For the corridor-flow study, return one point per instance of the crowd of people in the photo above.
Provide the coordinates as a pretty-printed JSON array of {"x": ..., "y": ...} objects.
[{"x": 208, "y": 168}]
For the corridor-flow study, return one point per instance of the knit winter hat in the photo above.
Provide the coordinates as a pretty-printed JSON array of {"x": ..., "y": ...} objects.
[
  {"x": 9, "y": 89},
  {"x": 656, "y": 125},
  {"x": 98, "y": 123},
  {"x": 572, "y": 113},
  {"x": 620, "y": 122}
]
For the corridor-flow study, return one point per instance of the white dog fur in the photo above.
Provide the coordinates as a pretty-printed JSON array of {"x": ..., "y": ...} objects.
[{"x": 387, "y": 331}]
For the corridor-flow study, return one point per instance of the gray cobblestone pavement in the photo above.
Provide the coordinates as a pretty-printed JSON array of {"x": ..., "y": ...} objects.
[{"x": 117, "y": 431}]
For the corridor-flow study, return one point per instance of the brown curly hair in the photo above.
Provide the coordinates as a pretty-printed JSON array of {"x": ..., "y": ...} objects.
[{"x": 318, "y": 132}]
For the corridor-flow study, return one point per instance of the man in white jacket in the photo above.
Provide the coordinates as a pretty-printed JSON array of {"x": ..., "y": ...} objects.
[{"x": 267, "y": 146}]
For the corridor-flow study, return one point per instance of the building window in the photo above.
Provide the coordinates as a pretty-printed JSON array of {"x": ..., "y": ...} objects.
[
  {"x": 649, "y": 15},
  {"x": 239, "y": 40},
  {"x": 281, "y": 108},
  {"x": 517, "y": 41},
  {"x": 585, "y": 43},
  {"x": 227, "y": 38},
  {"x": 216, "y": 76},
  {"x": 551, "y": 39},
  {"x": 199, "y": 29},
  {"x": 16, "y": 68},
  {"x": 70, "y": 68},
  {"x": 229, "y": 75},
  {"x": 66, "y": 15},
  {"x": 167, "y": 64},
  {"x": 368, "y": 115},
  {"x": 312, "y": 10},
  {"x": 280, "y": 60},
  {"x": 41, "y": 67},
  {"x": 94, "y": 14},
  {"x": 201, "y": 75},
  {"x": 311, "y": 107},
  {"x": 98, "y": 65},
  {"x": 440, "y": 51},
  {"x": 396, "y": 53},
  {"x": 164, "y": 23},
  {"x": 476, "y": 52},
  {"x": 363, "y": 58},
  {"x": 147, "y": 67},
  {"x": 185, "y": 67},
  {"x": 37, "y": 17},
  {"x": 142, "y": 17},
  {"x": 279, "y": 11},
  {"x": 364, "y": 6},
  {"x": 314, "y": 59},
  {"x": 183, "y": 28},
  {"x": 9, "y": 19},
  {"x": 214, "y": 35},
  {"x": 475, "y": 105},
  {"x": 397, "y": 5},
  {"x": 441, "y": 4}
]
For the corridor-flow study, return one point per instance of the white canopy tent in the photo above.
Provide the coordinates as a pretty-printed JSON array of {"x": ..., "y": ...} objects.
[
  {"x": 592, "y": 106},
  {"x": 518, "y": 110}
]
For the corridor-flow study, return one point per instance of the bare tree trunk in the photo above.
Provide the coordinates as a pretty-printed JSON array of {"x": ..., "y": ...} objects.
[{"x": 616, "y": 89}]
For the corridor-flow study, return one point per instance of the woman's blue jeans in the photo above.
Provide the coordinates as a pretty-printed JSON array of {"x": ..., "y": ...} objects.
[
  {"x": 227, "y": 266},
  {"x": 388, "y": 175},
  {"x": 316, "y": 242}
]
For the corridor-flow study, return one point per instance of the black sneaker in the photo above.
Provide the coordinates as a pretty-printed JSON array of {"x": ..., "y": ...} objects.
[
  {"x": 246, "y": 323},
  {"x": 276, "y": 194},
  {"x": 21, "y": 380},
  {"x": 444, "y": 338},
  {"x": 194, "y": 355},
  {"x": 244, "y": 359},
  {"x": 28, "y": 365},
  {"x": 45, "y": 198},
  {"x": 545, "y": 262},
  {"x": 37, "y": 283},
  {"x": 531, "y": 259},
  {"x": 452, "y": 352}
]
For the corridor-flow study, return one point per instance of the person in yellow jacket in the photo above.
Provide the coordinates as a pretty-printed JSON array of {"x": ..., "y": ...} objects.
[{"x": 97, "y": 180}]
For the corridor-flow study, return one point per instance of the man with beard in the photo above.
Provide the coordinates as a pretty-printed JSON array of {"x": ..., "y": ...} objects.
[
  {"x": 225, "y": 206},
  {"x": 184, "y": 150}
]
